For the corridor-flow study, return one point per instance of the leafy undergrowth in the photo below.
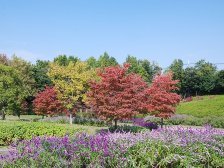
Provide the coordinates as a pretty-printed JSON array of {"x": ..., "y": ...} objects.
[
  {"x": 15, "y": 131},
  {"x": 204, "y": 106},
  {"x": 168, "y": 147}
]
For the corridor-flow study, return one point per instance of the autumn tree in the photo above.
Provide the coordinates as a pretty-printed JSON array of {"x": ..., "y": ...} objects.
[
  {"x": 71, "y": 83},
  {"x": 117, "y": 95},
  {"x": 161, "y": 96},
  {"x": 47, "y": 103}
]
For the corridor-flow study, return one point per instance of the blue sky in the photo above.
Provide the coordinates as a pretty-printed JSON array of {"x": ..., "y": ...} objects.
[{"x": 157, "y": 30}]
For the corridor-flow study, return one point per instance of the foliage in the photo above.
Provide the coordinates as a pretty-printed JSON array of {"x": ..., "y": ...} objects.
[
  {"x": 46, "y": 103},
  {"x": 16, "y": 131},
  {"x": 199, "y": 79},
  {"x": 219, "y": 86},
  {"x": 4, "y": 59},
  {"x": 117, "y": 95},
  {"x": 71, "y": 83},
  {"x": 25, "y": 71},
  {"x": 105, "y": 61},
  {"x": 143, "y": 68},
  {"x": 12, "y": 91},
  {"x": 124, "y": 128},
  {"x": 159, "y": 148},
  {"x": 178, "y": 72},
  {"x": 40, "y": 70},
  {"x": 63, "y": 60},
  {"x": 162, "y": 98}
]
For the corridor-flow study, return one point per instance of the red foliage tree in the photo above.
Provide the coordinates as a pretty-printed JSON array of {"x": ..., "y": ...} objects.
[
  {"x": 117, "y": 95},
  {"x": 46, "y": 103},
  {"x": 161, "y": 96}
]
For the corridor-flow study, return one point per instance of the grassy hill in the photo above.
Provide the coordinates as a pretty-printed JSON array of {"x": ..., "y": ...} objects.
[{"x": 204, "y": 106}]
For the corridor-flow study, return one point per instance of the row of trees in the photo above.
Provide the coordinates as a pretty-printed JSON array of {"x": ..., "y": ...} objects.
[
  {"x": 20, "y": 81},
  {"x": 111, "y": 92}
]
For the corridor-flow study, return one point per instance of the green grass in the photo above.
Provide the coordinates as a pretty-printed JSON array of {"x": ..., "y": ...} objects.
[{"x": 209, "y": 106}]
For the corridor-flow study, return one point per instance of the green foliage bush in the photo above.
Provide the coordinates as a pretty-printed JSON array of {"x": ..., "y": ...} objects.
[
  {"x": 15, "y": 131},
  {"x": 126, "y": 128}
]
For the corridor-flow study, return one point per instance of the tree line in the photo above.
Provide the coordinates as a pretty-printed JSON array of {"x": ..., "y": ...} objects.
[{"x": 21, "y": 81}]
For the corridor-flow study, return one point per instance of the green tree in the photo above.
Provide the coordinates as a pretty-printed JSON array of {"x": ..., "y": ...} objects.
[
  {"x": 63, "y": 60},
  {"x": 219, "y": 86},
  {"x": 71, "y": 83},
  {"x": 12, "y": 90},
  {"x": 143, "y": 68},
  {"x": 200, "y": 79},
  {"x": 177, "y": 67},
  {"x": 92, "y": 62},
  {"x": 105, "y": 61},
  {"x": 40, "y": 70},
  {"x": 25, "y": 70}
]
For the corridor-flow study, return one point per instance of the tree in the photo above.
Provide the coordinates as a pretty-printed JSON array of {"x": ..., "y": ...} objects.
[
  {"x": 47, "y": 103},
  {"x": 12, "y": 90},
  {"x": 92, "y": 62},
  {"x": 143, "y": 68},
  {"x": 25, "y": 70},
  {"x": 105, "y": 60},
  {"x": 178, "y": 72},
  {"x": 161, "y": 96},
  {"x": 71, "y": 83},
  {"x": 4, "y": 59},
  {"x": 219, "y": 86},
  {"x": 40, "y": 70},
  {"x": 117, "y": 95},
  {"x": 63, "y": 60},
  {"x": 199, "y": 79}
]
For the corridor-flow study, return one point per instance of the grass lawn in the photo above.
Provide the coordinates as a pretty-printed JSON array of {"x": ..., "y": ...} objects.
[{"x": 209, "y": 106}]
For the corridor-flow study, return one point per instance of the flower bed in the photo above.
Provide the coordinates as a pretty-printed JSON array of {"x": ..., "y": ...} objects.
[{"x": 169, "y": 147}]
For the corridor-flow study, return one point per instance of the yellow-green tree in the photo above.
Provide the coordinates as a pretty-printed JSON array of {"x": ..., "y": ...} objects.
[{"x": 71, "y": 83}]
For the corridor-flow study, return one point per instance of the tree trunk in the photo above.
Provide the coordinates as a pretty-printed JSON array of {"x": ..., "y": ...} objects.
[
  {"x": 161, "y": 123},
  {"x": 42, "y": 116},
  {"x": 3, "y": 115},
  {"x": 70, "y": 118},
  {"x": 115, "y": 122}
]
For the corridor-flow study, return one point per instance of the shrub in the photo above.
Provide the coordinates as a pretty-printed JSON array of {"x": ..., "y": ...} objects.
[
  {"x": 125, "y": 128},
  {"x": 16, "y": 131}
]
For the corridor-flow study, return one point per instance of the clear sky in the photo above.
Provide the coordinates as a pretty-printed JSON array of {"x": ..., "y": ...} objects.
[{"x": 157, "y": 30}]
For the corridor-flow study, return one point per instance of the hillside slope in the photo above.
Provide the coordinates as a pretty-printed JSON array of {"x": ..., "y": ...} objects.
[{"x": 205, "y": 106}]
